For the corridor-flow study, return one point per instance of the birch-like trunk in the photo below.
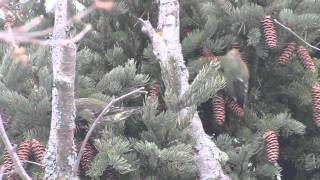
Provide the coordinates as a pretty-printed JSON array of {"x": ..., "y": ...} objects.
[
  {"x": 60, "y": 155},
  {"x": 168, "y": 45}
]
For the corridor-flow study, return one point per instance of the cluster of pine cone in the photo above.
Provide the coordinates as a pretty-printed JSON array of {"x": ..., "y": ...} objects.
[
  {"x": 303, "y": 54},
  {"x": 285, "y": 56},
  {"x": 270, "y": 35},
  {"x": 26, "y": 150},
  {"x": 219, "y": 102}
]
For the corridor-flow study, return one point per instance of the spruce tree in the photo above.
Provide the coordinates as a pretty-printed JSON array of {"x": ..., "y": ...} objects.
[
  {"x": 283, "y": 77},
  {"x": 140, "y": 137}
]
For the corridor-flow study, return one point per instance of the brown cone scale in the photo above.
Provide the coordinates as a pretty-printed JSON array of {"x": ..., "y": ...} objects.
[
  {"x": 306, "y": 59},
  {"x": 287, "y": 53},
  {"x": 23, "y": 153},
  {"x": 185, "y": 31},
  {"x": 24, "y": 150},
  {"x": 315, "y": 92},
  {"x": 270, "y": 33},
  {"x": 109, "y": 174},
  {"x": 87, "y": 157},
  {"x": 38, "y": 150},
  {"x": 272, "y": 144},
  {"x": 218, "y": 108},
  {"x": 154, "y": 90},
  {"x": 8, "y": 163},
  {"x": 235, "y": 108}
]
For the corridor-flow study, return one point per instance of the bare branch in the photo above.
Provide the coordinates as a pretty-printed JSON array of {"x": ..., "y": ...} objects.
[
  {"x": 96, "y": 122},
  {"x": 29, "y": 25},
  {"x": 296, "y": 35},
  {"x": 17, "y": 163},
  {"x": 80, "y": 35},
  {"x": 32, "y": 162},
  {"x": 147, "y": 28},
  {"x": 20, "y": 34}
]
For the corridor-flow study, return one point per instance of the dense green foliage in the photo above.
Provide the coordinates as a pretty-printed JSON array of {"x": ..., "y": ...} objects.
[
  {"x": 279, "y": 96},
  {"x": 136, "y": 139}
]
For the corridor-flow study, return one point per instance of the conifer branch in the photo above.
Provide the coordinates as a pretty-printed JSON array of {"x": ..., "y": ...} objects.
[
  {"x": 166, "y": 45},
  {"x": 97, "y": 121},
  {"x": 13, "y": 155},
  {"x": 296, "y": 35}
]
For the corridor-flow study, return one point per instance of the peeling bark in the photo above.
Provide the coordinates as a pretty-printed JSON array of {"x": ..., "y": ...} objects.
[
  {"x": 60, "y": 155},
  {"x": 168, "y": 45}
]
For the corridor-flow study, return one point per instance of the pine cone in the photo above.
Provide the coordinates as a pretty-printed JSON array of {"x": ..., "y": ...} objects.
[
  {"x": 87, "y": 157},
  {"x": 9, "y": 166},
  {"x": 272, "y": 146},
  {"x": 8, "y": 163},
  {"x": 37, "y": 150},
  {"x": 270, "y": 33},
  {"x": 206, "y": 54},
  {"x": 287, "y": 53},
  {"x": 185, "y": 31},
  {"x": 235, "y": 108},
  {"x": 218, "y": 108},
  {"x": 316, "y": 103},
  {"x": 154, "y": 90},
  {"x": 24, "y": 151},
  {"x": 306, "y": 59},
  {"x": 110, "y": 174}
]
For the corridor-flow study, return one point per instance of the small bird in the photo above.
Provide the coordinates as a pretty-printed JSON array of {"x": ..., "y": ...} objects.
[{"x": 236, "y": 74}]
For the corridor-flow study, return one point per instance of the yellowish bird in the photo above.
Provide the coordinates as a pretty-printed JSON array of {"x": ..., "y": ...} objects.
[{"x": 236, "y": 74}]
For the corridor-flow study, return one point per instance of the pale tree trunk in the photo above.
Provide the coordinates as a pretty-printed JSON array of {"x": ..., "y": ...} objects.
[
  {"x": 60, "y": 156},
  {"x": 166, "y": 46}
]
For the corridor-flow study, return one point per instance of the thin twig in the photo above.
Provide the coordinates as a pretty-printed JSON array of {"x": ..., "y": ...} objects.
[
  {"x": 32, "y": 162},
  {"x": 80, "y": 35},
  {"x": 51, "y": 42},
  {"x": 30, "y": 37},
  {"x": 17, "y": 163},
  {"x": 29, "y": 25},
  {"x": 96, "y": 122},
  {"x": 296, "y": 35}
]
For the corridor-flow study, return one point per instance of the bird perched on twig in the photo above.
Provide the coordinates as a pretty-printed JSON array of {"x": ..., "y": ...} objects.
[{"x": 236, "y": 74}]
